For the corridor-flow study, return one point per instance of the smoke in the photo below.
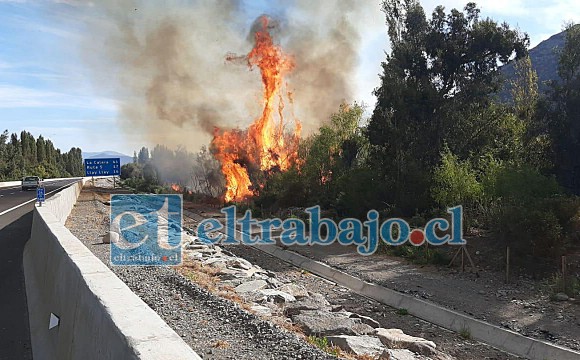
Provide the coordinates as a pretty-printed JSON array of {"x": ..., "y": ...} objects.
[
  {"x": 165, "y": 64},
  {"x": 324, "y": 40}
]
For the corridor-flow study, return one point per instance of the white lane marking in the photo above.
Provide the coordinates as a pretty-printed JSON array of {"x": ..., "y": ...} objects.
[
  {"x": 29, "y": 201},
  {"x": 11, "y": 194}
]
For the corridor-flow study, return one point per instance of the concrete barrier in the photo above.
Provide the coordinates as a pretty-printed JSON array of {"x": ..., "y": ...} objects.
[
  {"x": 6, "y": 184},
  {"x": 17, "y": 183},
  {"x": 495, "y": 336},
  {"x": 100, "y": 317}
]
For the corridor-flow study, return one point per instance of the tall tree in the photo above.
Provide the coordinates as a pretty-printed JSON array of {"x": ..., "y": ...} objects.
[
  {"x": 29, "y": 156},
  {"x": 562, "y": 112},
  {"x": 143, "y": 157},
  {"x": 436, "y": 83},
  {"x": 40, "y": 149}
]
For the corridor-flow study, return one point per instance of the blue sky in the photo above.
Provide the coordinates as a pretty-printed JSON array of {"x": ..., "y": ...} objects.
[{"x": 46, "y": 87}]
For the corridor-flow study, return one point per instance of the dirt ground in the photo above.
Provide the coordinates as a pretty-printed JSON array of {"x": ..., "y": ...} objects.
[{"x": 523, "y": 305}]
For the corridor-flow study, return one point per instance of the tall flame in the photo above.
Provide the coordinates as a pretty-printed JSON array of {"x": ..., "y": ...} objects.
[{"x": 265, "y": 145}]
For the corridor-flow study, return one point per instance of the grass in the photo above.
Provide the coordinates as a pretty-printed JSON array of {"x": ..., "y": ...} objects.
[
  {"x": 556, "y": 285},
  {"x": 420, "y": 255},
  {"x": 323, "y": 344},
  {"x": 465, "y": 333},
  {"x": 206, "y": 277},
  {"x": 402, "y": 312}
]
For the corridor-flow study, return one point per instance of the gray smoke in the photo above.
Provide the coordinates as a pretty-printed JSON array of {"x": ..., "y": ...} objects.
[{"x": 165, "y": 62}]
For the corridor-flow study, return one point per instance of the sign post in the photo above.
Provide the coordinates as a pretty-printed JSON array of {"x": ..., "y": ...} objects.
[{"x": 40, "y": 195}]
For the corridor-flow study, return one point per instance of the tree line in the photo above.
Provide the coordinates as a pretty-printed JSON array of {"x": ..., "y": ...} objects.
[
  {"x": 195, "y": 173},
  {"x": 439, "y": 136},
  {"x": 24, "y": 155}
]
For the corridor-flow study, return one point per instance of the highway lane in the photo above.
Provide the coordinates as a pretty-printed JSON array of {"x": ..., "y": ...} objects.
[
  {"x": 14, "y": 202},
  {"x": 15, "y": 224},
  {"x": 14, "y": 325}
]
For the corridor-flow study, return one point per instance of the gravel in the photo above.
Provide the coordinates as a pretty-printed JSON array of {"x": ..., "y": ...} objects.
[
  {"x": 448, "y": 342},
  {"x": 214, "y": 327}
]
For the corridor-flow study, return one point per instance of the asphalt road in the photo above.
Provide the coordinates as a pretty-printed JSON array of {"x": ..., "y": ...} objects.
[
  {"x": 15, "y": 226},
  {"x": 14, "y": 329},
  {"x": 12, "y": 200}
]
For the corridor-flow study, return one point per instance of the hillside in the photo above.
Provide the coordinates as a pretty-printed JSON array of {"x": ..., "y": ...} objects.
[
  {"x": 544, "y": 60},
  {"x": 125, "y": 159}
]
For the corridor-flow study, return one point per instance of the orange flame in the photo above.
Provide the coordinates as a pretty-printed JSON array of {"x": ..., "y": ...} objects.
[
  {"x": 265, "y": 145},
  {"x": 175, "y": 188}
]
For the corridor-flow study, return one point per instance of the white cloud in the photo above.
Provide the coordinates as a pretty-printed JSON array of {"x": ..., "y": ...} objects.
[
  {"x": 21, "y": 97},
  {"x": 540, "y": 19}
]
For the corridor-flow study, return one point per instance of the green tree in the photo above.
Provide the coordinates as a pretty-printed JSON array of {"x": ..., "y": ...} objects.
[
  {"x": 456, "y": 182},
  {"x": 29, "y": 156},
  {"x": 436, "y": 83},
  {"x": 561, "y": 112},
  {"x": 328, "y": 163},
  {"x": 143, "y": 157},
  {"x": 40, "y": 150},
  {"x": 150, "y": 174},
  {"x": 535, "y": 139},
  {"x": 131, "y": 171}
]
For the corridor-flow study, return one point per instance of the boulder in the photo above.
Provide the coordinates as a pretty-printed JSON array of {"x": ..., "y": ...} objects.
[
  {"x": 362, "y": 329},
  {"x": 358, "y": 345},
  {"x": 366, "y": 320},
  {"x": 276, "y": 296},
  {"x": 239, "y": 263},
  {"x": 397, "y": 339},
  {"x": 399, "y": 354},
  {"x": 313, "y": 302},
  {"x": 297, "y": 291},
  {"x": 251, "y": 286},
  {"x": 261, "y": 310},
  {"x": 324, "y": 323},
  {"x": 561, "y": 297},
  {"x": 230, "y": 274},
  {"x": 110, "y": 236},
  {"x": 274, "y": 283}
]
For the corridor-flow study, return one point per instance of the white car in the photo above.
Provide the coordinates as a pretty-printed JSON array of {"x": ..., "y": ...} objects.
[{"x": 31, "y": 182}]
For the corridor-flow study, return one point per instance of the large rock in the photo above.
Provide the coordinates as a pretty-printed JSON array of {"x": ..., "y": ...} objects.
[
  {"x": 297, "y": 291},
  {"x": 240, "y": 263},
  {"x": 324, "y": 323},
  {"x": 251, "y": 286},
  {"x": 228, "y": 262},
  {"x": 397, "y": 339},
  {"x": 276, "y": 296},
  {"x": 561, "y": 297},
  {"x": 399, "y": 354},
  {"x": 366, "y": 320},
  {"x": 313, "y": 302},
  {"x": 111, "y": 236},
  {"x": 358, "y": 345},
  {"x": 261, "y": 310}
]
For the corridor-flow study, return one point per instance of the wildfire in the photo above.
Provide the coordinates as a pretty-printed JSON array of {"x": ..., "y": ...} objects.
[
  {"x": 175, "y": 188},
  {"x": 266, "y": 145}
]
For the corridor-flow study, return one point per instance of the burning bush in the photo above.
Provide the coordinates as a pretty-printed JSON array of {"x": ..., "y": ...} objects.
[{"x": 266, "y": 146}]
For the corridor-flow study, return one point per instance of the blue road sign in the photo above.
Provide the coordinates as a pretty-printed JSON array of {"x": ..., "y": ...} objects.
[
  {"x": 103, "y": 167},
  {"x": 40, "y": 194}
]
